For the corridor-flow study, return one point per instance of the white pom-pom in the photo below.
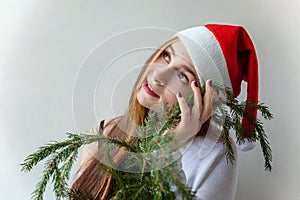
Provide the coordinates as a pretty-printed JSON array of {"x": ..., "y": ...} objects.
[{"x": 247, "y": 146}]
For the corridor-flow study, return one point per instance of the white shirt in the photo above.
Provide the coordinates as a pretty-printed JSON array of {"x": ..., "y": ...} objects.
[{"x": 206, "y": 168}]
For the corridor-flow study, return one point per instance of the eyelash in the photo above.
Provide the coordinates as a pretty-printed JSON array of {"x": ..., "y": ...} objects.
[
  {"x": 166, "y": 53},
  {"x": 180, "y": 74},
  {"x": 186, "y": 81}
]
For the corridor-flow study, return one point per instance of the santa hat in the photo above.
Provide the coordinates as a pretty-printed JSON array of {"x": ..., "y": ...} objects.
[{"x": 225, "y": 54}]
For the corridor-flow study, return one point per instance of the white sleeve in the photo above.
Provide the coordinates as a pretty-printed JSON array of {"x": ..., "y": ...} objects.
[
  {"x": 207, "y": 170},
  {"x": 212, "y": 177},
  {"x": 219, "y": 182}
]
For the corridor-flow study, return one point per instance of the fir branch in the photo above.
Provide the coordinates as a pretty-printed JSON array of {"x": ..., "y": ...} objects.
[
  {"x": 139, "y": 191},
  {"x": 150, "y": 137},
  {"x": 171, "y": 172},
  {"x": 120, "y": 143},
  {"x": 42, "y": 153},
  {"x": 60, "y": 185},
  {"x": 58, "y": 152},
  {"x": 265, "y": 145},
  {"x": 50, "y": 168},
  {"x": 79, "y": 195},
  {"x": 59, "y": 175},
  {"x": 235, "y": 117},
  {"x": 226, "y": 140},
  {"x": 267, "y": 115}
]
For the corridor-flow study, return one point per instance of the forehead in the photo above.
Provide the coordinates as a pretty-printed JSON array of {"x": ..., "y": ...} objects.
[{"x": 180, "y": 50}]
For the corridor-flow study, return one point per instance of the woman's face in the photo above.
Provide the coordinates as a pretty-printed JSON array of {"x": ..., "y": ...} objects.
[{"x": 170, "y": 73}]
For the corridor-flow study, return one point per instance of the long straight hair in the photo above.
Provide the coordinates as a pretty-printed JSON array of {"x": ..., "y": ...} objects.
[{"x": 96, "y": 180}]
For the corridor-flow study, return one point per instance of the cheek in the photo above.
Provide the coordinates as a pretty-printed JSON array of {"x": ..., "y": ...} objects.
[
  {"x": 170, "y": 99},
  {"x": 169, "y": 95},
  {"x": 145, "y": 101},
  {"x": 184, "y": 90},
  {"x": 141, "y": 97}
]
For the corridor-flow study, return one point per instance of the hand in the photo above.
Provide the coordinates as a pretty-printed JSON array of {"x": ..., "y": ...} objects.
[{"x": 193, "y": 118}]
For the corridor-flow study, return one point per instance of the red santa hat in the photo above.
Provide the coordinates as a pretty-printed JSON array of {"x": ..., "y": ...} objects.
[{"x": 225, "y": 54}]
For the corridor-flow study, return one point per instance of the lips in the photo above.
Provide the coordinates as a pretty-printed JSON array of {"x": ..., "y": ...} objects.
[{"x": 149, "y": 90}]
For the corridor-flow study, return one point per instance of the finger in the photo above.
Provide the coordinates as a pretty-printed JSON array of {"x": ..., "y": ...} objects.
[
  {"x": 197, "y": 108},
  {"x": 207, "y": 107},
  {"x": 185, "y": 109},
  {"x": 215, "y": 95},
  {"x": 187, "y": 124}
]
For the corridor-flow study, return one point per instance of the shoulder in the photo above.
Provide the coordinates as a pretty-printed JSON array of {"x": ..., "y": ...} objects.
[
  {"x": 89, "y": 150},
  {"x": 104, "y": 126}
]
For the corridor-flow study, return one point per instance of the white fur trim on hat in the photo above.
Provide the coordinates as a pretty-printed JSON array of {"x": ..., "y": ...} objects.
[{"x": 206, "y": 54}]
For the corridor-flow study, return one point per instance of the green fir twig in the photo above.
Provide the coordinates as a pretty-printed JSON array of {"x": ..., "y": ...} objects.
[{"x": 154, "y": 184}]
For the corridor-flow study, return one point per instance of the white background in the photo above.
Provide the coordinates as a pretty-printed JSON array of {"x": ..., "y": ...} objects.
[{"x": 43, "y": 44}]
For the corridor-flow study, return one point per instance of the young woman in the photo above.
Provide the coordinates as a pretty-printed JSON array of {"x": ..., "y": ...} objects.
[{"x": 196, "y": 56}]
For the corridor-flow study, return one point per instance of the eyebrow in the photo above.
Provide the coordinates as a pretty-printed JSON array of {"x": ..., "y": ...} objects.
[
  {"x": 172, "y": 48},
  {"x": 184, "y": 66},
  {"x": 189, "y": 70}
]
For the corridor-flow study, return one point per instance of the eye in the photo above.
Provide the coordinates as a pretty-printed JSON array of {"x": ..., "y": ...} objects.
[
  {"x": 183, "y": 78},
  {"x": 166, "y": 56}
]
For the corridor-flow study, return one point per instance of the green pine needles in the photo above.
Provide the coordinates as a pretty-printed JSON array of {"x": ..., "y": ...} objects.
[
  {"x": 232, "y": 119},
  {"x": 151, "y": 169}
]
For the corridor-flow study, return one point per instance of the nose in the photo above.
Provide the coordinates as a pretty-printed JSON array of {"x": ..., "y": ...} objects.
[{"x": 161, "y": 75}]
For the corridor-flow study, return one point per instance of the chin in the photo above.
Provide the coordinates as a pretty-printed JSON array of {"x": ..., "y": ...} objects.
[{"x": 143, "y": 101}]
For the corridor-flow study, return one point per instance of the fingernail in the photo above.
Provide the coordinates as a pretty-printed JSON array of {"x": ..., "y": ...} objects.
[
  {"x": 195, "y": 83},
  {"x": 179, "y": 94},
  {"x": 210, "y": 83}
]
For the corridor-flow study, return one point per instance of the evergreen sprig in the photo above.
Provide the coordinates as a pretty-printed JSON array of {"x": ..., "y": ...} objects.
[
  {"x": 232, "y": 111},
  {"x": 157, "y": 182},
  {"x": 61, "y": 156}
]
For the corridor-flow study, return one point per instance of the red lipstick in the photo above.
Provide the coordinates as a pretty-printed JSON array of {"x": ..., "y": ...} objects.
[{"x": 149, "y": 91}]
